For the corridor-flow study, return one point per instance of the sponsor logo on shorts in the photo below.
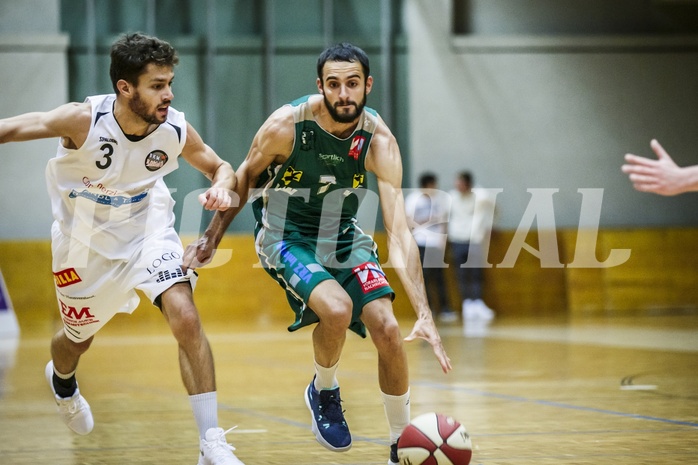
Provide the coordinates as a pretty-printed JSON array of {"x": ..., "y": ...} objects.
[
  {"x": 166, "y": 275},
  {"x": 370, "y": 276},
  {"x": 300, "y": 271},
  {"x": 74, "y": 316},
  {"x": 163, "y": 259},
  {"x": 66, "y": 277},
  {"x": 155, "y": 160}
]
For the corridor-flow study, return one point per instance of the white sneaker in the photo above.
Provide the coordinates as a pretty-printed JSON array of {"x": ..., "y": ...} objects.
[
  {"x": 74, "y": 411},
  {"x": 483, "y": 311},
  {"x": 469, "y": 310},
  {"x": 215, "y": 450}
]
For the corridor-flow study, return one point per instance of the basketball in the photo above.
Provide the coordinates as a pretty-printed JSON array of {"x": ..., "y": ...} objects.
[{"x": 434, "y": 439}]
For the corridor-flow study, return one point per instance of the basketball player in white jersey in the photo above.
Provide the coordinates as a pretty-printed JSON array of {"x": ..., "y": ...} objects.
[{"x": 114, "y": 224}]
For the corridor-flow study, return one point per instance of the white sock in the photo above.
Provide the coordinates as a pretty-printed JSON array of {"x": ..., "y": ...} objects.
[
  {"x": 397, "y": 410},
  {"x": 63, "y": 376},
  {"x": 326, "y": 378},
  {"x": 205, "y": 407}
]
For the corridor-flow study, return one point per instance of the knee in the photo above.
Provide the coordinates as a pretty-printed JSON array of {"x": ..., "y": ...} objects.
[
  {"x": 336, "y": 312},
  {"x": 79, "y": 348},
  {"x": 185, "y": 324},
  {"x": 386, "y": 336},
  {"x": 62, "y": 341}
]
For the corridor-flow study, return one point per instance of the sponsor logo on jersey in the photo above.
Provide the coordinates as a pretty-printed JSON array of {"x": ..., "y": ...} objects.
[
  {"x": 66, "y": 277},
  {"x": 291, "y": 175},
  {"x": 370, "y": 276},
  {"x": 113, "y": 200},
  {"x": 155, "y": 160},
  {"x": 108, "y": 139},
  {"x": 357, "y": 144},
  {"x": 330, "y": 159},
  {"x": 307, "y": 139},
  {"x": 357, "y": 181}
]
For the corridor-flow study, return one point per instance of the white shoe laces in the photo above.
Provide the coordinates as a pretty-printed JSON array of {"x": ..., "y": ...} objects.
[
  {"x": 218, "y": 447},
  {"x": 71, "y": 405}
]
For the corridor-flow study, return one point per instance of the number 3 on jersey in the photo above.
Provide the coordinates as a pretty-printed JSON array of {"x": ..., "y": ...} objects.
[{"x": 105, "y": 162}]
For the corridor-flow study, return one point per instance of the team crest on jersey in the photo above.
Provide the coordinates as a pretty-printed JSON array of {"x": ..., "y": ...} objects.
[
  {"x": 357, "y": 144},
  {"x": 155, "y": 160},
  {"x": 358, "y": 180},
  {"x": 307, "y": 139},
  {"x": 291, "y": 175}
]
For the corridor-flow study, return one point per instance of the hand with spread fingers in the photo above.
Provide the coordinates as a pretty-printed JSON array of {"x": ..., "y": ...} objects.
[{"x": 661, "y": 176}]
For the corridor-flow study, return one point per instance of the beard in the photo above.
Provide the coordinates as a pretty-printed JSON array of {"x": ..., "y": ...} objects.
[
  {"x": 345, "y": 117},
  {"x": 139, "y": 107}
]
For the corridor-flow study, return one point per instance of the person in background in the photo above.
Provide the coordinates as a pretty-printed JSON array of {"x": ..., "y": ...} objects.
[
  {"x": 428, "y": 209},
  {"x": 467, "y": 228},
  {"x": 661, "y": 176}
]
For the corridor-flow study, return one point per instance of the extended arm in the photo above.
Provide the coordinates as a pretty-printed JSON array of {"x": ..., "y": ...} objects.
[
  {"x": 661, "y": 176},
  {"x": 218, "y": 171},
  {"x": 385, "y": 162},
  {"x": 272, "y": 143},
  {"x": 71, "y": 122}
]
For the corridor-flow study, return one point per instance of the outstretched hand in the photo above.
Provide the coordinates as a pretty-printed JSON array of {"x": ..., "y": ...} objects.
[
  {"x": 661, "y": 176},
  {"x": 424, "y": 328}
]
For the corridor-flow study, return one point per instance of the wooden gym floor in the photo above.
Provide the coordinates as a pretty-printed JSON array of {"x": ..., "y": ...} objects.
[{"x": 616, "y": 391}]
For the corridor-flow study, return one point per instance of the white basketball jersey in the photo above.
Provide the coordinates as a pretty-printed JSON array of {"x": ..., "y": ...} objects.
[{"x": 109, "y": 194}]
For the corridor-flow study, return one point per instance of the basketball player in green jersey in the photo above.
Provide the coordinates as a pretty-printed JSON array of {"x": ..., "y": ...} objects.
[{"x": 308, "y": 163}]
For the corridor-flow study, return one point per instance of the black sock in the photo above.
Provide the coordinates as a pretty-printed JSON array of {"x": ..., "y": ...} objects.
[{"x": 64, "y": 387}]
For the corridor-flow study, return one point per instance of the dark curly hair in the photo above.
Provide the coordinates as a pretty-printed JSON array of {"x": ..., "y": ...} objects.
[
  {"x": 131, "y": 53},
  {"x": 343, "y": 52}
]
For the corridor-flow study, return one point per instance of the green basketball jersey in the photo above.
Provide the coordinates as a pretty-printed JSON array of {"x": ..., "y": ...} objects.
[{"x": 319, "y": 187}]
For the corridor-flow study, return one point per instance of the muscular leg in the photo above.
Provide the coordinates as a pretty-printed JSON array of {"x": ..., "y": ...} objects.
[
  {"x": 195, "y": 357},
  {"x": 393, "y": 372},
  {"x": 333, "y": 306},
  {"x": 66, "y": 353}
]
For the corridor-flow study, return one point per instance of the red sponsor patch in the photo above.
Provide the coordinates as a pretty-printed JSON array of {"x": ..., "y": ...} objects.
[
  {"x": 74, "y": 316},
  {"x": 370, "y": 276},
  {"x": 66, "y": 277},
  {"x": 357, "y": 144}
]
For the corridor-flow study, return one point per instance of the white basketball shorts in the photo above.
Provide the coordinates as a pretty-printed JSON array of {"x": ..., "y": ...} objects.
[{"x": 91, "y": 288}]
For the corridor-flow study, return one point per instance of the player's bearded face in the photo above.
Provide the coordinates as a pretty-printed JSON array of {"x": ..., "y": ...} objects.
[
  {"x": 150, "y": 113},
  {"x": 345, "y": 110}
]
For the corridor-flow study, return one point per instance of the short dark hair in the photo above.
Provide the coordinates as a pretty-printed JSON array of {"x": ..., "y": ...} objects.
[
  {"x": 131, "y": 53},
  {"x": 426, "y": 179},
  {"x": 467, "y": 177},
  {"x": 343, "y": 52}
]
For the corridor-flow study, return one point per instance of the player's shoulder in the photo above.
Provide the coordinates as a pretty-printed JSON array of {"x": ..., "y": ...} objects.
[
  {"x": 280, "y": 123},
  {"x": 70, "y": 117},
  {"x": 76, "y": 109},
  {"x": 383, "y": 140}
]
